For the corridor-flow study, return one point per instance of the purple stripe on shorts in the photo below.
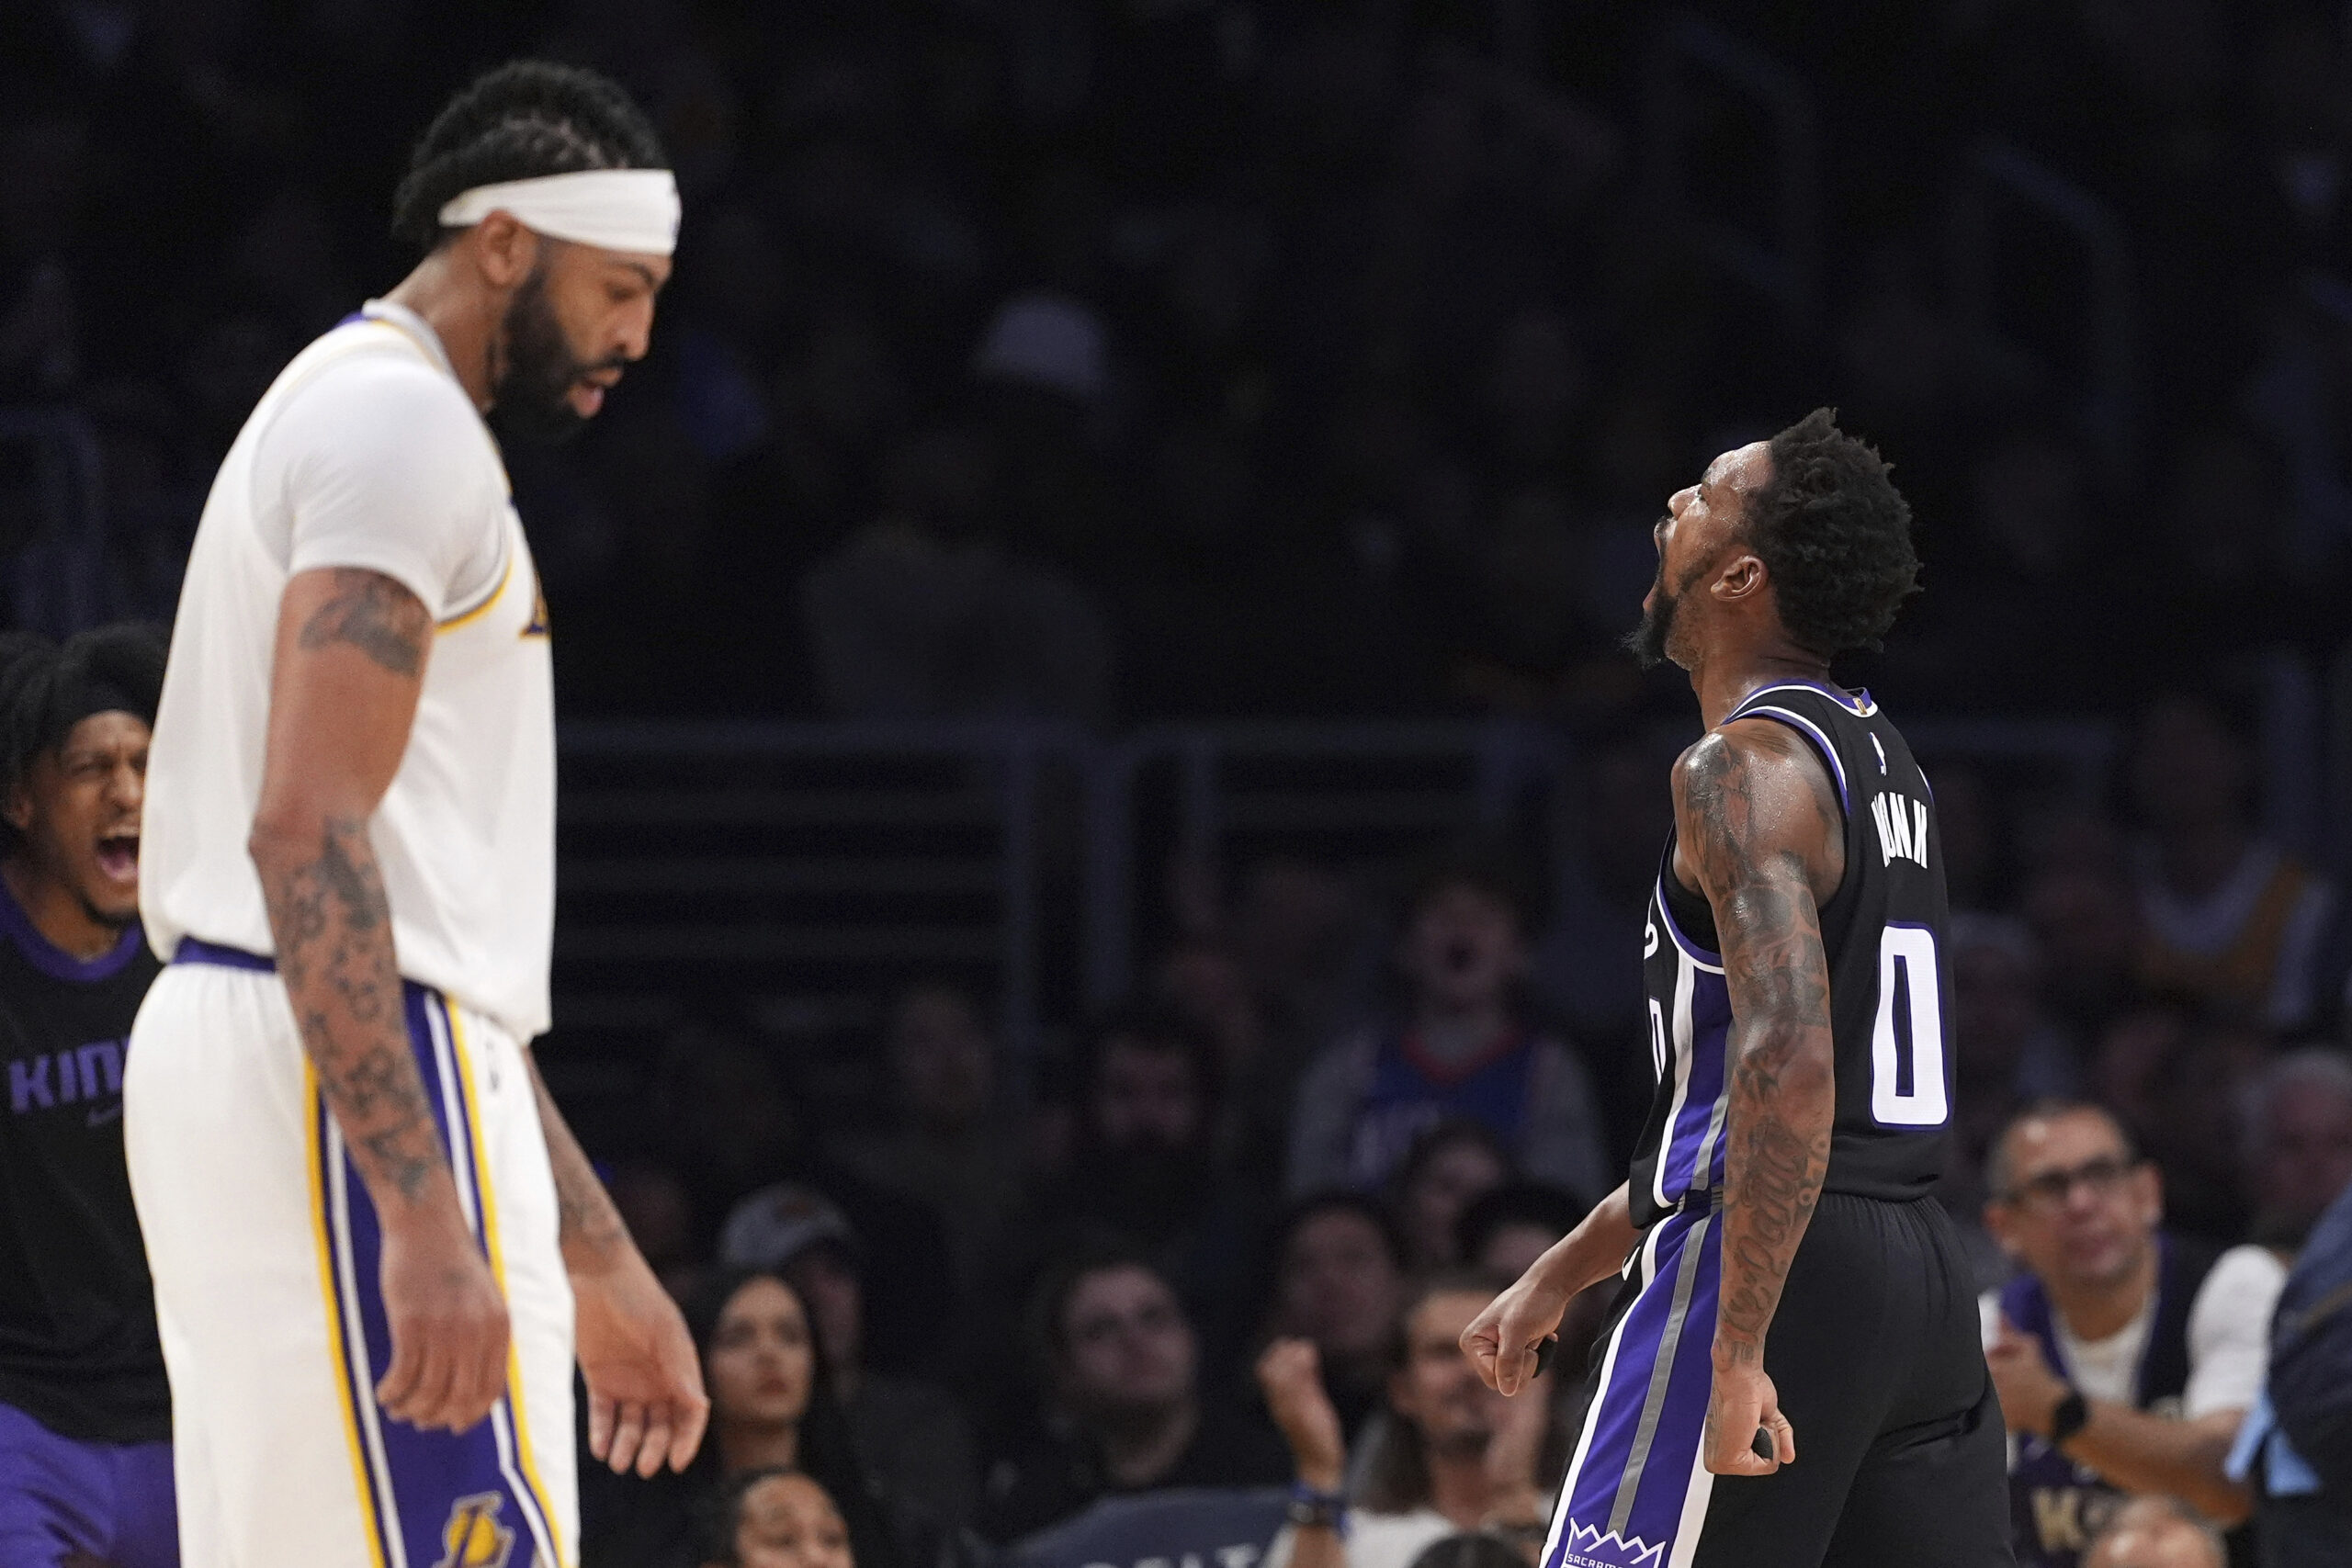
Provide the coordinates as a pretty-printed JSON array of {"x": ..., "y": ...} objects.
[{"x": 452, "y": 1498}]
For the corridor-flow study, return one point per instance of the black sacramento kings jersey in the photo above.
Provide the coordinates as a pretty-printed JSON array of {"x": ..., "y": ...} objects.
[{"x": 1883, "y": 933}]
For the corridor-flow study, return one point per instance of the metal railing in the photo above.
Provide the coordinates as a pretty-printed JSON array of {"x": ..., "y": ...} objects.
[
  {"x": 760, "y": 856},
  {"x": 56, "y": 565},
  {"x": 807, "y": 864},
  {"x": 1689, "y": 54},
  {"x": 1289, "y": 785},
  {"x": 1998, "y": 183}
]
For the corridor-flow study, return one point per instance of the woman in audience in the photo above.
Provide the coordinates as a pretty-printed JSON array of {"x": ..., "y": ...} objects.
[
  {"x": 771, "y": 1407},
  {"x": 774, "y": 1518}
]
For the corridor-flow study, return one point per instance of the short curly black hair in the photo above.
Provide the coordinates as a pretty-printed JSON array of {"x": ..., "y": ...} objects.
[
  {"x": 1834, "y": 535},
  {"x": 528, "y": 119},
  {"x": 46, "y": 688}
]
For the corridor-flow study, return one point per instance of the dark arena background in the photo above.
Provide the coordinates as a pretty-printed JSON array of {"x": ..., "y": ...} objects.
[{"x": 1132, "y": 504}]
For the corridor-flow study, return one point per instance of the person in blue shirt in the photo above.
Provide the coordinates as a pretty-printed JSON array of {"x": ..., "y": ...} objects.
[{"x": 1459, "y": 1044}]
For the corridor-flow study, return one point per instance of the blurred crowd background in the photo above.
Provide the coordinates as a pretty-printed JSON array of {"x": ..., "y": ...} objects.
[{"x": 1054, "y": 394}]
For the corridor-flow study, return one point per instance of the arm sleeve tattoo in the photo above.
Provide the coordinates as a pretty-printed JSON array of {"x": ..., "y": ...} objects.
[
  {"x": 332, "y": 928},
  {"x": 1743, "y": 809}
]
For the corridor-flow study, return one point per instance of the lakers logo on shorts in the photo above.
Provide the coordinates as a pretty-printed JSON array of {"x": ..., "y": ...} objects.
[{"x": 473, "y": 1537}]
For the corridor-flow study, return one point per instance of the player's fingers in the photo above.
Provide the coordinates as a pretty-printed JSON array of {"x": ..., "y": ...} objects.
[
  {"x": 1741, "y": 1459},
  {"x": 694, "y": 1414},
  {"x": 1514, "y": 1369},
  {"x": 397, "y": 1384},
  {"x": 628, "y": 1430},
  {"x": 428, "y": 1401},
  {"x": 483, "y": 1378},
  {"x": 600, "y": 1425},
  {"x": 655, "y": 1446},
  {"x": 1785, "y": 1436}
]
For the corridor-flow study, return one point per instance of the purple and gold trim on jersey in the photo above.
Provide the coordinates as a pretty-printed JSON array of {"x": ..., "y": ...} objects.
[
  {"x": 1638, "y": 1488},
  {"x": 432, "y": 1499}
]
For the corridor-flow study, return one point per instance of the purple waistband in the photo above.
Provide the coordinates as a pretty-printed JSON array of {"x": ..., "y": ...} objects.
[{"x": 195, "y": 950}]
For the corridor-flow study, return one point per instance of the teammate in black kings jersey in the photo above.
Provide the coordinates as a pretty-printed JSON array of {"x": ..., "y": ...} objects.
[
  {"x": 1792, "y": 1376},
  {"x": 85, "y": 1457}
]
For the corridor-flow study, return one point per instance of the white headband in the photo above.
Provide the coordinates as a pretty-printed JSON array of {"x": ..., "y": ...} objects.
[{"x": 617, "y": 210}]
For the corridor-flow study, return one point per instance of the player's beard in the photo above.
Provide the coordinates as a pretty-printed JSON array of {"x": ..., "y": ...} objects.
[
  {"x": 532, "y": 398},
  {"x": 1647, "y": 642}
]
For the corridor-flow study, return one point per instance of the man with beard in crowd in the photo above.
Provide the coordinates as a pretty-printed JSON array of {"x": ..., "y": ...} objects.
[
  {"x": 1142, "y": 1174},
  {"x": 376, "y": 1245}
]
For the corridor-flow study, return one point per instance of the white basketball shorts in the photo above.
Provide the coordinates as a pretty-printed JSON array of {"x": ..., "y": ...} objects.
[{"x": 264, "y": 1249}]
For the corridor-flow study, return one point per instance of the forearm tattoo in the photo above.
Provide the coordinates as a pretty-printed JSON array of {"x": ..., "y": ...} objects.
[
  {"x": 590, "y": 1228},
  {"x": 1783, "y": 1078},
  {"x": 334, "y": 930},
  {"x": 375, "y": 614}
]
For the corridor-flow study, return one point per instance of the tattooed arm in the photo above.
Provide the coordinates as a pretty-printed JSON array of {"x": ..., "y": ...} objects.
[
  {"x": 645, "y": 1396},
  {"x": 1758, "y": 832},
  {"x": 350, "y": 661}
]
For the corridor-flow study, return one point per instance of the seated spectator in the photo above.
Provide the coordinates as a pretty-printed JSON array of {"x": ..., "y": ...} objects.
[
  {"x": 911, "y": 1437},
  {"x": 774, "y": 1518},
  {"x": 2174, "y": 1072},
  {"x": 1454, "y": 1454},
  {"x": 2084, "y": 917},
  {"x": 2125, "y": 1357},
  {"x": 771, "y": 1407},
  {"x": 1141, "y": 1171},
  {"x": 1205, "y": 981},
  {"x": 950, "y": 1147},
  {"x": 1338, "y": 1284},
  {"x": 2157, "y": 1531},
  {"x": 2298, "y": 1142},
  {"x": 1506, "y": 1229},
  {"x": 1448, "y": 1167},
  {"x": 2231, "y": 918},
  {"x": 1125, "y": 1409},
  {"x": 1460, "y": 1047}
]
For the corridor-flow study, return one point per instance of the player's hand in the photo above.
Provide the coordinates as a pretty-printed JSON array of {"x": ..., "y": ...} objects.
[
  {"x": 1501, "y": 1341},
  {"x": 645, "y": 1404},
  {"x": 1744, "y": 1414},
  {"x": 2031, "y": 1392},
  {"x": 447, "y": 1321},
  {"x": 1291, "y": 1375}
]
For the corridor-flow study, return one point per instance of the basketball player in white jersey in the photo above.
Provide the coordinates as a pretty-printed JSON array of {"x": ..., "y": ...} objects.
[{"x": 375, "y": 1242}]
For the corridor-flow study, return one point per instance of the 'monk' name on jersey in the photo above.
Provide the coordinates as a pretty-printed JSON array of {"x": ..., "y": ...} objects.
[{"x": 1883, "y": 934}]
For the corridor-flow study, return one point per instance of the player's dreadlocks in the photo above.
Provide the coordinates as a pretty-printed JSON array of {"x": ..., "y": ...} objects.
[
  {"x": 526, "y": 119},
  {"x": 1836, "y": 536},
  {"x": 46, "y": 689}
]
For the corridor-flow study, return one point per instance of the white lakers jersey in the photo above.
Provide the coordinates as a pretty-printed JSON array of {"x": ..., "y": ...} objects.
[{"x": 365, "y": 452}]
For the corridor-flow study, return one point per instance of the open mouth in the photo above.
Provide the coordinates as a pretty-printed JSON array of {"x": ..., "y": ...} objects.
[{"x": 119, "y": 856}]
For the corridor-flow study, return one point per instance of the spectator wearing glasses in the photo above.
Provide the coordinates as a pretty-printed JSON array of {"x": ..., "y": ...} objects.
[
  {"x": 1125, "y": 1411},
  {"x": 2125, "y": 1357}
]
